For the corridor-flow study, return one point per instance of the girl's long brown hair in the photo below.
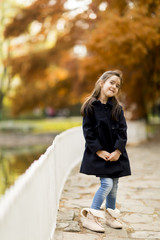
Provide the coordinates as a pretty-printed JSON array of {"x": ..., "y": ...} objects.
[{"x": 87, "y": 105}]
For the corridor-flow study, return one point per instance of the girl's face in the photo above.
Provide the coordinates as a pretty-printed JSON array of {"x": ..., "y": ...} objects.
[{"x": 111, "y": 86}]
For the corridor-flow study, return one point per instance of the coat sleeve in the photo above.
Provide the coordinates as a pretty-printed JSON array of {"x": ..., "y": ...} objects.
[
  {"x": 121, "y": 133},
  {"x": 90, "y": 135}
]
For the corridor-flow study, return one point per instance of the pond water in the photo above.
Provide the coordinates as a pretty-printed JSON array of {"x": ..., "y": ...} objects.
[{"x": 14, "y": 162}]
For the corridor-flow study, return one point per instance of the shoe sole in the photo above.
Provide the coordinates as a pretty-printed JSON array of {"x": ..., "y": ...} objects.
[{"x": 114, "y": 227}]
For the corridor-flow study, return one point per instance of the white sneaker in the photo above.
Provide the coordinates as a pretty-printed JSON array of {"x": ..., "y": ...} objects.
[
  {"x": 90, "y": 219},
  {"x": 110, "y": 216}
]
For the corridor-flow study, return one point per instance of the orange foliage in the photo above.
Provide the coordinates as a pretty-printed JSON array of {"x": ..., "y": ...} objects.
[{"x": 126, "y": 36}]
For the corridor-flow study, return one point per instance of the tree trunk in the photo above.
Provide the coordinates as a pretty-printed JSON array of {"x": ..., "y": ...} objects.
[{"x": 1, "y": 104}]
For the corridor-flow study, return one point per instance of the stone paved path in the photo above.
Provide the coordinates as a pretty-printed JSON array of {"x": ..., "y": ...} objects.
[{"x": 138, "y": 199}]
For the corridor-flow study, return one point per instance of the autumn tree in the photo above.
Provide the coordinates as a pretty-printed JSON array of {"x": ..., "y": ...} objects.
[
  {"x": 117, "y": 34},
  {"x": 128, "y": 37},
  {"x": 48, "y": 75},
  {"x": 5, "y": 76}
]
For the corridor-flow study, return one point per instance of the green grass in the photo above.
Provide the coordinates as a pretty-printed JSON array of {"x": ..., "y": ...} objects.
[{"x": 58, "y": 124}]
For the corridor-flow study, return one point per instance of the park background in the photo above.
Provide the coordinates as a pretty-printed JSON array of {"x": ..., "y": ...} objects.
[{"x": 51, "y": 54}]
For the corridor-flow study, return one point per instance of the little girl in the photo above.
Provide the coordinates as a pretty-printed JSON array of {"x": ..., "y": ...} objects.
[{"x": 105, "y": 156}]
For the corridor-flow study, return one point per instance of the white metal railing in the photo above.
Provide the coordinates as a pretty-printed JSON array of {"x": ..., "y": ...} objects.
[
  {"x": 137, "y": 131},
  {"x": 28, "y": 209}
]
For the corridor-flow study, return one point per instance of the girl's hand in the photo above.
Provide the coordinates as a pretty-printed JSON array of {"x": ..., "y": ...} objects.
[
  {"x": 103, "y": 154},
  {"x": 114, "y": 156}
]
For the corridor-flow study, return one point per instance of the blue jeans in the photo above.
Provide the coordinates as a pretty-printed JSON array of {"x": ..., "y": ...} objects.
[{"x": 108, "y": 191}]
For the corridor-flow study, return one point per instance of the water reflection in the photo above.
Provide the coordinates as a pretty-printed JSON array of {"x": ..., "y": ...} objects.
[{"x": 15, "y": 161}]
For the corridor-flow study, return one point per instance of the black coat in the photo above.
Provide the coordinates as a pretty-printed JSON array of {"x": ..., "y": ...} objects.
[{"x": 103, "y": 133}]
